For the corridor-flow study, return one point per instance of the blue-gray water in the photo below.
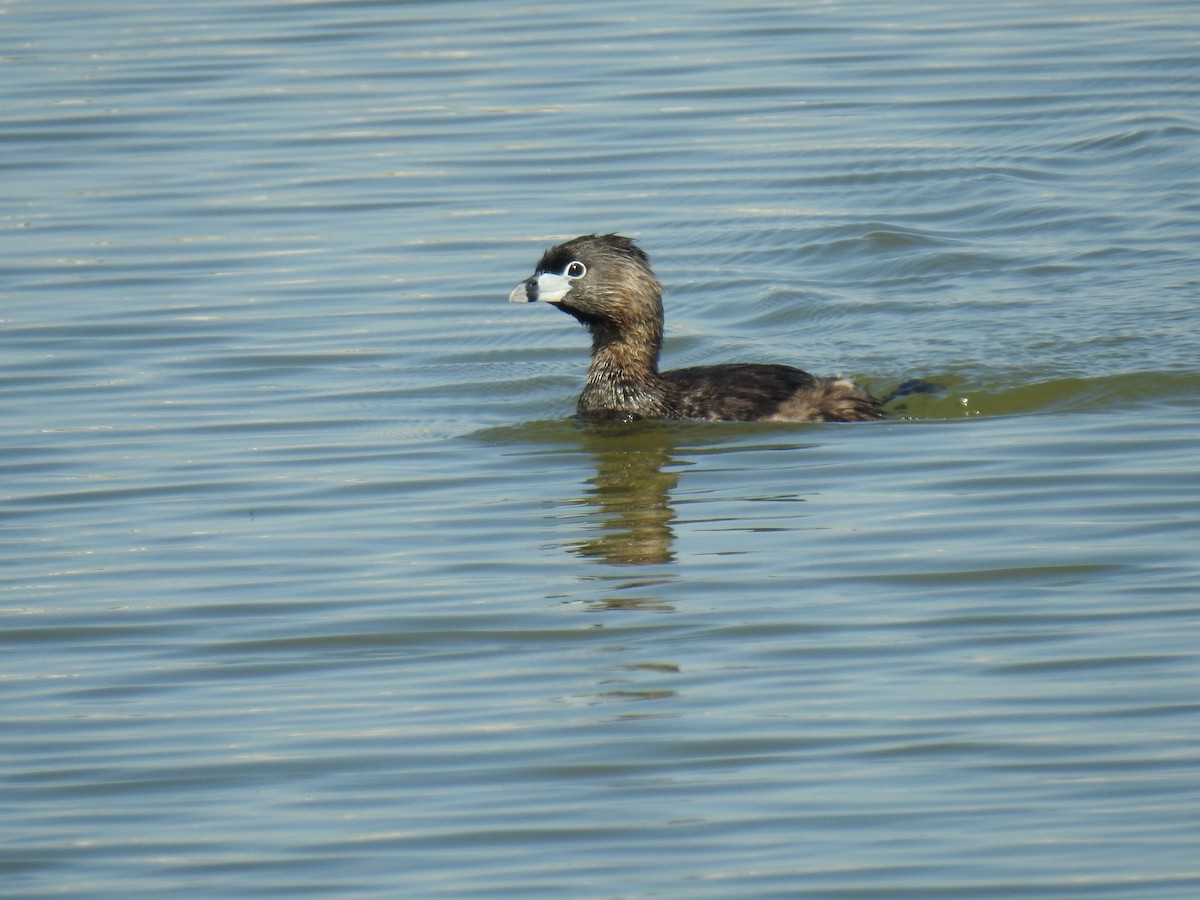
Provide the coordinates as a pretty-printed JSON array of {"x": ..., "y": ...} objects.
[{"x": 312, "y": 587}]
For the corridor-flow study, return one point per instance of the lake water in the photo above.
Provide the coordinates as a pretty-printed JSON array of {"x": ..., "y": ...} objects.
[{"x": 312, "y": 586}]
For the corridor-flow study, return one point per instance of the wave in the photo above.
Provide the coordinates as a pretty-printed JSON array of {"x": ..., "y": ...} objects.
[{"x": 956, "y": 397}]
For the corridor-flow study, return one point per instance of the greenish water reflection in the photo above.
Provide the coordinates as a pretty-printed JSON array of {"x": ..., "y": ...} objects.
[
  {"x": 628, "y": 501},
  {"x": 631, "y": 493}
]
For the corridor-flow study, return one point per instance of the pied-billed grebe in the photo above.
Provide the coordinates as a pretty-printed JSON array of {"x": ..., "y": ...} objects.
[{"x": 605, "y": 281}]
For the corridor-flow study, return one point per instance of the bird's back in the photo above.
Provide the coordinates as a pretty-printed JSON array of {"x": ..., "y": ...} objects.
[{"x": 762, "y": 392}]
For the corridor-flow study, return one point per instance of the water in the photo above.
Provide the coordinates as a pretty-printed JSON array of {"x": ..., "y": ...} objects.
[{"x": 311, "y": 585}]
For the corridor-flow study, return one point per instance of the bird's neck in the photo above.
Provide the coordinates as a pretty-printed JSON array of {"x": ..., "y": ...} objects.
[
  {"x": 625, "y": 351},
  {"x": 623, "y": 375}
]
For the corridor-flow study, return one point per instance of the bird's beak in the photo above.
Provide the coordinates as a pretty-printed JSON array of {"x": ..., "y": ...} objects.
[{"x": 547, "y": 287}]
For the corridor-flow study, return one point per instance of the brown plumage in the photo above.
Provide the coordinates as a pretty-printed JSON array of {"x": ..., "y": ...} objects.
[{"x": 605, "y": 281}]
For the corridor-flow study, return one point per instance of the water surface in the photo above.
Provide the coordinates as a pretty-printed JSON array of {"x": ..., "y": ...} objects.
[{"x": 312, "y": 585}]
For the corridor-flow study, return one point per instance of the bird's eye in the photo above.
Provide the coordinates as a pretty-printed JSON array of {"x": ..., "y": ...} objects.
[{"x": 574, "y": 270}]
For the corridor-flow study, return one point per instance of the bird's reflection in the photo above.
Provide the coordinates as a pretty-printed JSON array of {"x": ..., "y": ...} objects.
[{"x": 631, "y": 491}]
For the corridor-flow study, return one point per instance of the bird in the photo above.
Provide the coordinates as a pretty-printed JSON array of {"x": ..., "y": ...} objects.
[{"x": 605, "y": 281}]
